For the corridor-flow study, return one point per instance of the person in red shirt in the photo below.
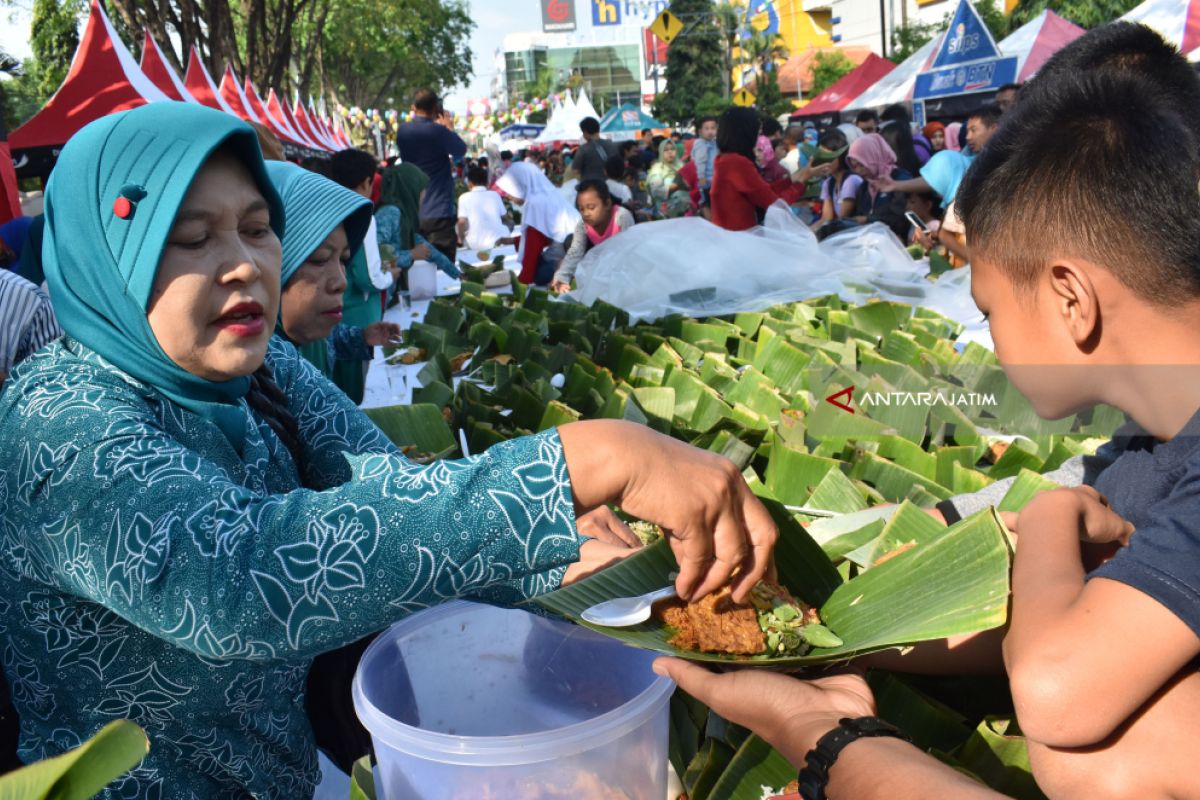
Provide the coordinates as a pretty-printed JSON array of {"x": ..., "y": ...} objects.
[{"x": 740, "y": 196}]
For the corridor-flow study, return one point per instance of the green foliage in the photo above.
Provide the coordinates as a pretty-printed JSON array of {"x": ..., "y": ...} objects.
[
  {"x": 83, "y": 772},
  {"x": 690, "y": 63},
  {"x": 769, "y": 98},
  {"x": 53, "y": 37},
  {"x": 1084, "y": 13},
  {"x": 829, "y": 66}
]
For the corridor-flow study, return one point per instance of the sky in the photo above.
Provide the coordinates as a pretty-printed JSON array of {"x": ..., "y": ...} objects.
[{"x": 494, "y": 19}]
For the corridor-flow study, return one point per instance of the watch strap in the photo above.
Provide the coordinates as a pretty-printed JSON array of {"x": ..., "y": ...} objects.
[{"x": 815, "y": 774}]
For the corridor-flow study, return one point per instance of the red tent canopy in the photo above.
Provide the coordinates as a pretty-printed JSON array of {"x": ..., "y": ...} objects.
[
  {"x": 281, "y": 112},
  {"x": 160, "y": 73},
  {"x": 848, "y": 87},
  {"x": 232, "y": 93},
  {"x": 103, "y": 79},
  {"x": 256, "y": 105},
  {"x": 202, "y": 86},
  {"x": 301, "y": 116}
]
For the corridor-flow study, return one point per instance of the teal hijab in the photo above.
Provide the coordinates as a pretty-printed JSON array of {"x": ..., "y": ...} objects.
[
  {"x": 313, "y": 206},
  {"x": 110, "y": 205}
]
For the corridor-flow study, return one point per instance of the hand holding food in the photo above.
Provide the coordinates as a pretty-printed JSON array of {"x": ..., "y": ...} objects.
[
  {"x": 714, "y": 524},
  {"x": 379, "y": 334}
]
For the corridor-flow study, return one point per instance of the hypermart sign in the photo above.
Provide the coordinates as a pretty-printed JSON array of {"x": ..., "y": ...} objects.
[
  {"x": 638, "y": 13},
  {"x": 967, "y": 60}
]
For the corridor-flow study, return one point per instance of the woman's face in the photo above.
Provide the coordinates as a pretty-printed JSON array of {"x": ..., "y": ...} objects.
[
  {"x": 312, "y": 299},
  {"x": 595, "y": 212},
  {"x": 216, "y": 293},
  {"x": 858, "y": 168},
  {"x": 669, "y": 154},
  {"x": 938, "y": 140}
]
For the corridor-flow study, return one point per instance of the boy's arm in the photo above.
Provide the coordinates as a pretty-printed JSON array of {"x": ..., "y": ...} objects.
[{"x": 1083, "y": 656}]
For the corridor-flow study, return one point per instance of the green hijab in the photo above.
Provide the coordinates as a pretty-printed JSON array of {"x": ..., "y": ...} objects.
[
  {"x": 401, "y": 187},
  {"x": 313, "y": 205},
  {"x": 100, "y": 262}
]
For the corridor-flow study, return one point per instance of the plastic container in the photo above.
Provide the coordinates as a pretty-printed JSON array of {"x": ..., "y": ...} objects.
[{"x": 472, "y": 702}]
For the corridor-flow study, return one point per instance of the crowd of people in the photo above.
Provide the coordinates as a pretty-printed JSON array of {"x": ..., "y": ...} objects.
[{"x": 202, "y": 529}]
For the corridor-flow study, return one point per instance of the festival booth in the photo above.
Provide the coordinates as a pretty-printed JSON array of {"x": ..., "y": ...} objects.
[
  {"x": 627, "y": 122},
  {"x": 103, "y": 79},
  {"x": 824, "y": 110},
  {"x": 1028, "y": 48},
  {"x": 897, "y": 85},
  {"x": 1177, "y": 20}
]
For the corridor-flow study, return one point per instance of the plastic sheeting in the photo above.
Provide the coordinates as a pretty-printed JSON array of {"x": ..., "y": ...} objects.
[{"x": 694, "y": 268}]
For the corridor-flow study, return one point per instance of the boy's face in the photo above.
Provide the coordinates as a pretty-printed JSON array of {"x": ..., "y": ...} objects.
[
  {"x": 708, "y": 130},
  {"x": 1031, "y": 340}
]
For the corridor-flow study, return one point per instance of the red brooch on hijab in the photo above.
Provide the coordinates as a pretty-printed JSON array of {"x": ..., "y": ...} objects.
[{"x": 126, "y": 203}]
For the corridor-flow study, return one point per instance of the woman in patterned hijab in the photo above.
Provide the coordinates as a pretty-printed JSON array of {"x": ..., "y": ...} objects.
[{"x": 193, "y": 512}]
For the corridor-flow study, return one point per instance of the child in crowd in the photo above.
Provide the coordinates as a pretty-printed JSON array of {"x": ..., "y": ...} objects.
[
  {"x": 925, "y": 205},
  {"x": 1094, "y": 304},
  {"x": 704, "y": 154},
  {"x": 600, "y": 220},
  {"x": 481, "y": 214},
  {"x": 614, "y": 171},
  {"x": 546, "y": 222}
]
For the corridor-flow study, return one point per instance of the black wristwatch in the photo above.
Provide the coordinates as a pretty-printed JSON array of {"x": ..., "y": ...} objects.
[{"x": 819, "y": 760}]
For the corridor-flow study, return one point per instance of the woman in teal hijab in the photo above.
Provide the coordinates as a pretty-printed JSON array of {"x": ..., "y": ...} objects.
[
  {"x": 328, "y": 226},
  {"x": 193, "y": 512},
  {"x": 398, "y": 214}
]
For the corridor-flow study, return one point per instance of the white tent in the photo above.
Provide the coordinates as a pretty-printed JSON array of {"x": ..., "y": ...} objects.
[
  {"x": 897, "y": 85},
  {"x": 563, "y": 124},
  {"x": 584, "y": 107},
  {"x": 1177, "y": 20}
]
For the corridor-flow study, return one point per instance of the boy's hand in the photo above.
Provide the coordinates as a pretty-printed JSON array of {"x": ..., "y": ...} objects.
[{"x": 1100, "y": 524}]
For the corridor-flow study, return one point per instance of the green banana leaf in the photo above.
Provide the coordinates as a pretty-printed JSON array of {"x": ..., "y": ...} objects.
[
  {"x": 955, "y": 584},
  {"x": 419, "y": 426},
  {"x": 83, "y": 772},
  {"x": 755, "y": 765},
  {"x": 997, "y": 754},
  {"x": 362, "y": 780}
]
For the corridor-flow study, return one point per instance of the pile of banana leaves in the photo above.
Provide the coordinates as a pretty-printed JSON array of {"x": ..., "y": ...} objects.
[{"x": 756, "y": 387}]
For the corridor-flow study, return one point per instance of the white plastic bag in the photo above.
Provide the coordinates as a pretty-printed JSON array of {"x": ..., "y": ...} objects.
[{"x": 694, "y": 268}]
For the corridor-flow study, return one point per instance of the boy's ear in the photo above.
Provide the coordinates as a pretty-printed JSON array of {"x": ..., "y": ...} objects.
[{"x": 1078, "y": 305}]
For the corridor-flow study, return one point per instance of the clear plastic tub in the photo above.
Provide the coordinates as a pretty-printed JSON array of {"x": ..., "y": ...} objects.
[{"x": 472, "y": 702}]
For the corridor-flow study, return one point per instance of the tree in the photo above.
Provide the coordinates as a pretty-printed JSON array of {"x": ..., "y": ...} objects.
[
  {"x": 361, "y": 52},
  {"x": 691, "y": 62},
  {"x": 1084, "y": 13},
  {"x": 829, "y": 66},
  {"x": 764, "y": 52},
  {"x": 53, "y": 38},
  {"x": 729, "y": 17}
]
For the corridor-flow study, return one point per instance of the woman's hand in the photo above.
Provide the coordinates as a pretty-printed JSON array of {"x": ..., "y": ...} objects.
[
  {"x": 378, "y": 334},
  {"x": 790, "y": 713},
  {"x": 714, "y": 524},
  {"x": 605, "y": 526},
  {"x": 884, "y": 184}
]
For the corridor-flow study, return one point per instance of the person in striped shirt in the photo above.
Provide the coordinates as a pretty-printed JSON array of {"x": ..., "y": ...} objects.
[{"x": 27, "y": 321}]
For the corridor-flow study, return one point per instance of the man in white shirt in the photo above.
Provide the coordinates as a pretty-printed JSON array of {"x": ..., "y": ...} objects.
[{"x": 481, "y": 214}]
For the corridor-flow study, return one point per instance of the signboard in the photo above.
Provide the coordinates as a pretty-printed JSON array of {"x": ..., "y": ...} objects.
[
  {"x": 980, "y": 76},
  {"x": 918, "y": 115},
  {"x": 667, "y": 26},
  {"x": 606, "y": 12},
  {"x": 558, "y": 16},
  {"x": 967, "y": 39},
  {"x": 743, "y": 98}
]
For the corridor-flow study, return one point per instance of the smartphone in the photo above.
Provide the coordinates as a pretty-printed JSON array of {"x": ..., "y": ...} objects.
[{"x": 917, "y": 222}]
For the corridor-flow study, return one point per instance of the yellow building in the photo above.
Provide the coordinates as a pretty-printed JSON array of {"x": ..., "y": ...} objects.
[{"x": 800, "y": 30}]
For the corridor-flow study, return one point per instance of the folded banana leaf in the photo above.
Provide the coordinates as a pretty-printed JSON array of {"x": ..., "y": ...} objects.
[{"x": 954, "y": 583}]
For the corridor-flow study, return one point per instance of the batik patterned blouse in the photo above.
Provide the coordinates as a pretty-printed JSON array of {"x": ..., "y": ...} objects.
[{"x": 151, "y": 572}]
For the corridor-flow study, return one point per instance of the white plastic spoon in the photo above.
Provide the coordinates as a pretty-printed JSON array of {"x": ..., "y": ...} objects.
[{"x": 625, "y": 611}]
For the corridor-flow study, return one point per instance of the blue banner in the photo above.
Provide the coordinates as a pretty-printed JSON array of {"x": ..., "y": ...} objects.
[
  {"x": 967, "y": 39},
  {"x": 918, "y": 115},
  {"x": 981, "y": 76}
]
